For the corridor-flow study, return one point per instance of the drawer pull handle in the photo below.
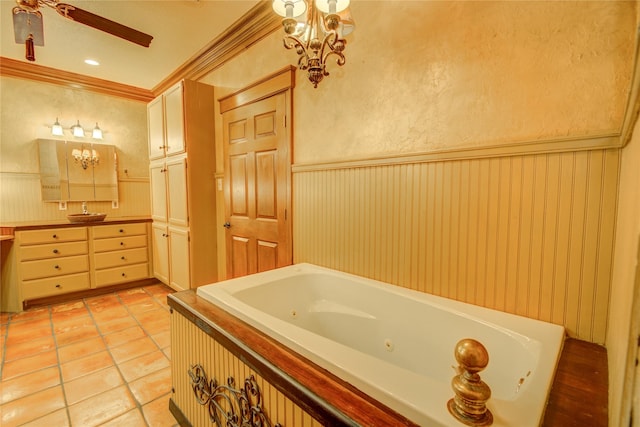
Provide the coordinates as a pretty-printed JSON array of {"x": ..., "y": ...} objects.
[
  {"x": 55, "y": 236},
  {"x": 121, "y": 243},
  {"x": 57, "y": 267},
  {"x": 124, "y": 275},
  {"x": 55, "y": 251},
  {"x": 121, "y": 230},
  {"x": 59, "y": 286},
  {"x": 123, "y": 258}
]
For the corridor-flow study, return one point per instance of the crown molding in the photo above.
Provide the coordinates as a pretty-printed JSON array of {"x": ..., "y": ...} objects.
[
  {"x": 252, "y": 27},
  {"x": 12, "y": 68}
]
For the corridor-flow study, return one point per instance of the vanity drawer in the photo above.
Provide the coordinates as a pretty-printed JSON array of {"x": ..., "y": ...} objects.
[
  {"x": 53, "y": 250},
  {"x": 120, "y": 258},
  {"x": 115, "y": 244},
  {"x": 54, "y": 267},
  {"x": 129, "y": 273},
  {"x": 54, "y": 286},
  {"x": 119, "y": 230},
  {"x": 53, "y": 235}
]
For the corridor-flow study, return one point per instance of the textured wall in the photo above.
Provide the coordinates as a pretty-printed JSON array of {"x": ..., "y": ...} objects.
[
  {"x": 28, "y": 109},
  {"x": 431, "y": 75}
]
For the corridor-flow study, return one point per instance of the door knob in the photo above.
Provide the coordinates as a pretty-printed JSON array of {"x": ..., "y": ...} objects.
[{"x": 226, "y": 225}]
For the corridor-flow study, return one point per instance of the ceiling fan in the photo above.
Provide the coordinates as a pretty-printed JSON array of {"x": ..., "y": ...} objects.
[{"x": 28, "y": 29}]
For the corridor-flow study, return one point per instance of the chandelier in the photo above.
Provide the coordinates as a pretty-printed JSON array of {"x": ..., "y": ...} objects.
[
  {"x": 86, "y": 157},
  {"x": 315, "y": 29}
]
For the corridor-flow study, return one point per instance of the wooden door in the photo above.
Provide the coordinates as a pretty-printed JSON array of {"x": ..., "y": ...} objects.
[{"x": 257, "y": 181}]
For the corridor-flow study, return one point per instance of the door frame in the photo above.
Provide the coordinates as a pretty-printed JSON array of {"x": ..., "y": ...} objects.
[{"x": 281, "y": 81}]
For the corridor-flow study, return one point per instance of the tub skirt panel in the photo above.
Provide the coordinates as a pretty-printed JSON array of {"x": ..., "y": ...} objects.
[{"x": 192, "y": 347}]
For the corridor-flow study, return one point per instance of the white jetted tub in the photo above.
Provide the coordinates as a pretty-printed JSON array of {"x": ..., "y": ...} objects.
[{"x": 395, "y": 344}]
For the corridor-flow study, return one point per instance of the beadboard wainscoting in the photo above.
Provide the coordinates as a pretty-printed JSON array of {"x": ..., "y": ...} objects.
[
  {"x": 22, "y": 199},
  {"x": 527, "y": 231}
]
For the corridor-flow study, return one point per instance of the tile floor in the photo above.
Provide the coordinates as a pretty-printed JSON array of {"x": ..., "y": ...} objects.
[{"x": 100, "y": 361}]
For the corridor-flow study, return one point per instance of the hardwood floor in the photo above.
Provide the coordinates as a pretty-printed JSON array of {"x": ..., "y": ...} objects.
[{"x": 579, "y": 396}]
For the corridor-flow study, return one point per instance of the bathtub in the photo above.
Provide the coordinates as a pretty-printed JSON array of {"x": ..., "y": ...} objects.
[{"x": 395, "y": 344}]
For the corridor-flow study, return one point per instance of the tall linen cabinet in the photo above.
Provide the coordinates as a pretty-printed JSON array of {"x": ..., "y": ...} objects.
[{"x": 182, "y": 168}]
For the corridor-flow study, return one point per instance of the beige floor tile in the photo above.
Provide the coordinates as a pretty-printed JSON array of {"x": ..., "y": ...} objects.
[
  {"x": 29, "y": 348},
  {"x": 92, "y": 384},
  {"x": 19, "y": 334},
  {"x": 162, "y": 339},
  {"x": 25, "y": 385},
  {"x": 81, "y": 349},
  {"x": 103, "y": 303},
  {"x": 29, "y": 408},
  {"x": 102, "y": 407},
  {"x": 74, "y": 331},
  {"x": 132, "y": 349},
  {"x": 157, "y": 413},
  {"x": 65, "y": 354},
  {"x": 75, "y": 310},
  {"x": 134, "y": 296},
  {"x": 34, "y": 313},
  {"x": 26, "y": 365},
  {"x": 85, "y": 365},
  {"x": 133, "y": 418},
  {"x": 152, "y": 386},
  {"x": 143, "y": 365},
  {"x": 126, "y": 335},
  {"x": 113, "y": 313},
  {"x": 58, "y": 418},
  {"x": 148, "y": 304},
  {"x": 107, "y": 327}
]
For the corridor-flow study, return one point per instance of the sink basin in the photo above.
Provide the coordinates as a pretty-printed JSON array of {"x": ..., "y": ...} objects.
[{"x": 90, "y": 217}]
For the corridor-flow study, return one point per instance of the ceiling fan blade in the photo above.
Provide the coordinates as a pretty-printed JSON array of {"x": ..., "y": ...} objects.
[{"x": 103, "y": 24}]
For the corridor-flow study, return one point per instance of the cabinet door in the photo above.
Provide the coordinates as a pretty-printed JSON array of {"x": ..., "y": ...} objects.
[
  {"x": 174, "y": 119},
  {"x": 157, "y": 173},
  {"x": 160, "y": 244},
  {"x": 179, "y": 259},
  {"x": 177, "y": 191},
  {"x": 155, "y": 118}
]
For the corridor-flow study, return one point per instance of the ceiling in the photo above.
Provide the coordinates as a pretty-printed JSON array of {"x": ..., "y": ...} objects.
[{"x": 179, "y": 28}]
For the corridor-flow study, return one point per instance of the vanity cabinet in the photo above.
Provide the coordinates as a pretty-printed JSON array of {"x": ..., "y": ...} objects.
[
  {"x": 48, "y": 262},
  {"x": 53, "y": 262},
  {"x": 120, "y": 253},
  {"x": 182, "y": 180}
]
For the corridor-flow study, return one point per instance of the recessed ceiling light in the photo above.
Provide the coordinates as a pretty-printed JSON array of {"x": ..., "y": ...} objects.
[{"x": 91, "y": 62}]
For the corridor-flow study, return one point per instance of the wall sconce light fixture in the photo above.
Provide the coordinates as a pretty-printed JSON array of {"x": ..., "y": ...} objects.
[
  {"x": 76, "y": 130},
  {"x": 86, "y": 157},
  {"x": 56, "y": 129},
  {"x": 317, "y": 35},
  {"x": 97, "y": 132}
]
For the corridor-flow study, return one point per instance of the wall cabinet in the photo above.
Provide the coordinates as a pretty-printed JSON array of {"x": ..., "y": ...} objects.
[
  {"x": 49, "y": 262},
  {"x": 182, "y": 178}
]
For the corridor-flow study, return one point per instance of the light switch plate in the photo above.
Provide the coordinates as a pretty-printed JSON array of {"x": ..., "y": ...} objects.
[{"x": 62, "y": 206}]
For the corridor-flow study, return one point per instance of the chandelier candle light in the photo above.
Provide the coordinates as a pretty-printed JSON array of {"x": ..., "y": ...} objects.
[{"x": 319, "y": 36}]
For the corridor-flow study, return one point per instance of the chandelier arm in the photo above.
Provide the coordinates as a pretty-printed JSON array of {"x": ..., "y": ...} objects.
[
  {"x": 336, "y": 47},
  {"x": 292, "y": 42}
]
